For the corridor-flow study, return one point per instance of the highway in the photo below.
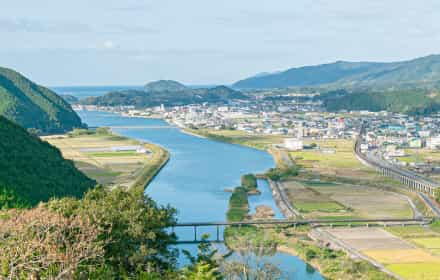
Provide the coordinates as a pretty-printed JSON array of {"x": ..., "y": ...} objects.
[
  {"x": 430, "y": 203},
  {"x": 379, "y": 163}
]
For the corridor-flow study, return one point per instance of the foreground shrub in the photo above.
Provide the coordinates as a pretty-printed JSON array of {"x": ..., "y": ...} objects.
[
  {"x": 39, "y": 242},
  {"x": 114, "y": 234}
]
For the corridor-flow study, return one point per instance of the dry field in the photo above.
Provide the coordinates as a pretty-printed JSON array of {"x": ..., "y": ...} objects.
[
  {"x": 92, "y": 154},
  {"x": 342, "y": 200}
]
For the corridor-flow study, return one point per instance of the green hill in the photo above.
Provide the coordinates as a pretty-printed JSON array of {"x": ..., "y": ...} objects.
[
  {"x": 417, "y": 73},
  {"x": 169, "y": 93},
  {"x": 34, "y": 106},
  {"x": 31, "y": 170},
  {"x": 413, "y": 102}
]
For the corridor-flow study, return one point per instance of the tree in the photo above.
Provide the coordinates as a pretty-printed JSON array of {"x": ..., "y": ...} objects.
[
  {"x": 249, "y": 262},
  {"x": 131, "y": 226},
  {"x": 39, "y": 242},
  {"x": 205, "y": 265}
]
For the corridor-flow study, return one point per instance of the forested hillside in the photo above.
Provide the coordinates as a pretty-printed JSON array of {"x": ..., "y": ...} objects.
[
  {"x": 399, "y": 101},
  {"x": 34, "y": 106},
  {"x": 169, "y": 93},
  {"x": 422, "y": 72},
  {"x": 32, "y": 170}
]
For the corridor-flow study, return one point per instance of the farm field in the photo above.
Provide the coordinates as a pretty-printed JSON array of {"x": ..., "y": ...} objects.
[
  {"x": 400, "y": 256},
  {"x": 330, "y": 200},
  {"x": 333, "y": 157},
  {"x": 105, "y": 158}
]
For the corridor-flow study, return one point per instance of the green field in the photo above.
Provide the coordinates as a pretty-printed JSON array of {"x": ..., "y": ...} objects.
[
  {"x": 429, "y": 243},
  {"x": 417, "y": 271},
  {"x": 332, "y": 156},
  {"x": 112, "y": 154},
  {"x": 324, "y": 206}
]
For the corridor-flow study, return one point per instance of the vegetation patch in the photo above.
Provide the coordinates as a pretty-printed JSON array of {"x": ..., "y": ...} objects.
[
  {"x": 278, "y": 174},
  {"x": 238, "y": 205},
  {"x": 249, "y": 182}
]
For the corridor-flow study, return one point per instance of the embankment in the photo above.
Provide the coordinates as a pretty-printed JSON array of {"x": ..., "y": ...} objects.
[{"x": 159, "y": 160}]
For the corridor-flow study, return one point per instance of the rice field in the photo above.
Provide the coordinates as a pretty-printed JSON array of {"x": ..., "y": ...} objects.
[
  {"x": 416, "y": 271},
  {"x": 408, "y": 258}
]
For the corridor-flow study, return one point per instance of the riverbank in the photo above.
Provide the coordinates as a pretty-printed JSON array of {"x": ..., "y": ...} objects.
[{"x": 159, "y": 160}]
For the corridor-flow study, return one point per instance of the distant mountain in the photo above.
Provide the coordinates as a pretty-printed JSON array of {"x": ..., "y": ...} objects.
[
  {"x": 32, "y": 170},
  {"x": 169, "y": 93},
  {"x": 422, "y": 72},
  {"x": 34, "y": 106},
  {"x": 165, "y": 85}
]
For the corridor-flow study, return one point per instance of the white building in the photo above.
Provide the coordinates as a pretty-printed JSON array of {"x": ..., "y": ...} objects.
[
  {"x": 293, "y": 144},
  {"x": 433, "y": 142}
]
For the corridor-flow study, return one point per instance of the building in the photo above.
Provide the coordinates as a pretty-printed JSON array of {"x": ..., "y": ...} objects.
[
  {"x": 415, "y": 143},
  {"x": 293, "y": 144},
  {"x": 433, "y": 142}
]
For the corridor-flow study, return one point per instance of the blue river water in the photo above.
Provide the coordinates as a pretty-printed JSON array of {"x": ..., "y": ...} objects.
[{"x": 194, "y": 179}]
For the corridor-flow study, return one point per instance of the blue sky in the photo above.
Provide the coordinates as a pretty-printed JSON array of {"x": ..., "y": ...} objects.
[{"x": 114, "y": 42}]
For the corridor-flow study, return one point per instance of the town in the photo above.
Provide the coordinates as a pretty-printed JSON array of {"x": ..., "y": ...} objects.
[{"x": 408, "y": 141}]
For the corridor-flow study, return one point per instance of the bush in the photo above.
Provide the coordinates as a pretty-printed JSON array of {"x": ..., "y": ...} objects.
[
  {"x": 310, "y": 254},
  {"x": 277, "y": 174},
  {"x": 249, "y": 182},
  {"x": 103, "y": 131},
  {"x": 79, "y": 132},
  {"x": 107, "y": 235}
]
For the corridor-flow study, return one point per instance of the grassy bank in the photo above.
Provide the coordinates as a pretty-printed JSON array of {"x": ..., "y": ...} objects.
[
  {"x": 156, "y": 163},
  {"x": 260, "y": 142}
]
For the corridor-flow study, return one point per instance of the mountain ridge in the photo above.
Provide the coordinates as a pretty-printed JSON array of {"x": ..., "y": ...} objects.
[
  {"x": 423, "y": 71},
  {"x": 34, "y": 106},
  {"x": 167, "y": 92}
]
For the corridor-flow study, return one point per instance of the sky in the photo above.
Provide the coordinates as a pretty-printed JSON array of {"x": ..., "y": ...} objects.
[{"x": 132, "y": 42}]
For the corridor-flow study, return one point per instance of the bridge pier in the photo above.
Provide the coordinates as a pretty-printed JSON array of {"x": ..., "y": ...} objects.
[{"x": 195, "y": 233}]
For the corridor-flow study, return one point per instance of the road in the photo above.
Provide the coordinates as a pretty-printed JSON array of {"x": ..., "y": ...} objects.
[
  {"x": 435, "y": 209},
  {"x": 375, "y": 161}
]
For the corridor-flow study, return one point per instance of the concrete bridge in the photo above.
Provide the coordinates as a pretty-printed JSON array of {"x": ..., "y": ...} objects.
[
  {"x": 294, "y": 223},
  {"x": 414, "y": 181}
]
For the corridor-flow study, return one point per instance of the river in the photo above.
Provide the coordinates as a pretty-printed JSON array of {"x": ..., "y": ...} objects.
[{"x": 194, "y": 179}]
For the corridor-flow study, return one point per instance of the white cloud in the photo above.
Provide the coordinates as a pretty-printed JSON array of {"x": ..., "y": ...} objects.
[{"x": 108, "y": 44}]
